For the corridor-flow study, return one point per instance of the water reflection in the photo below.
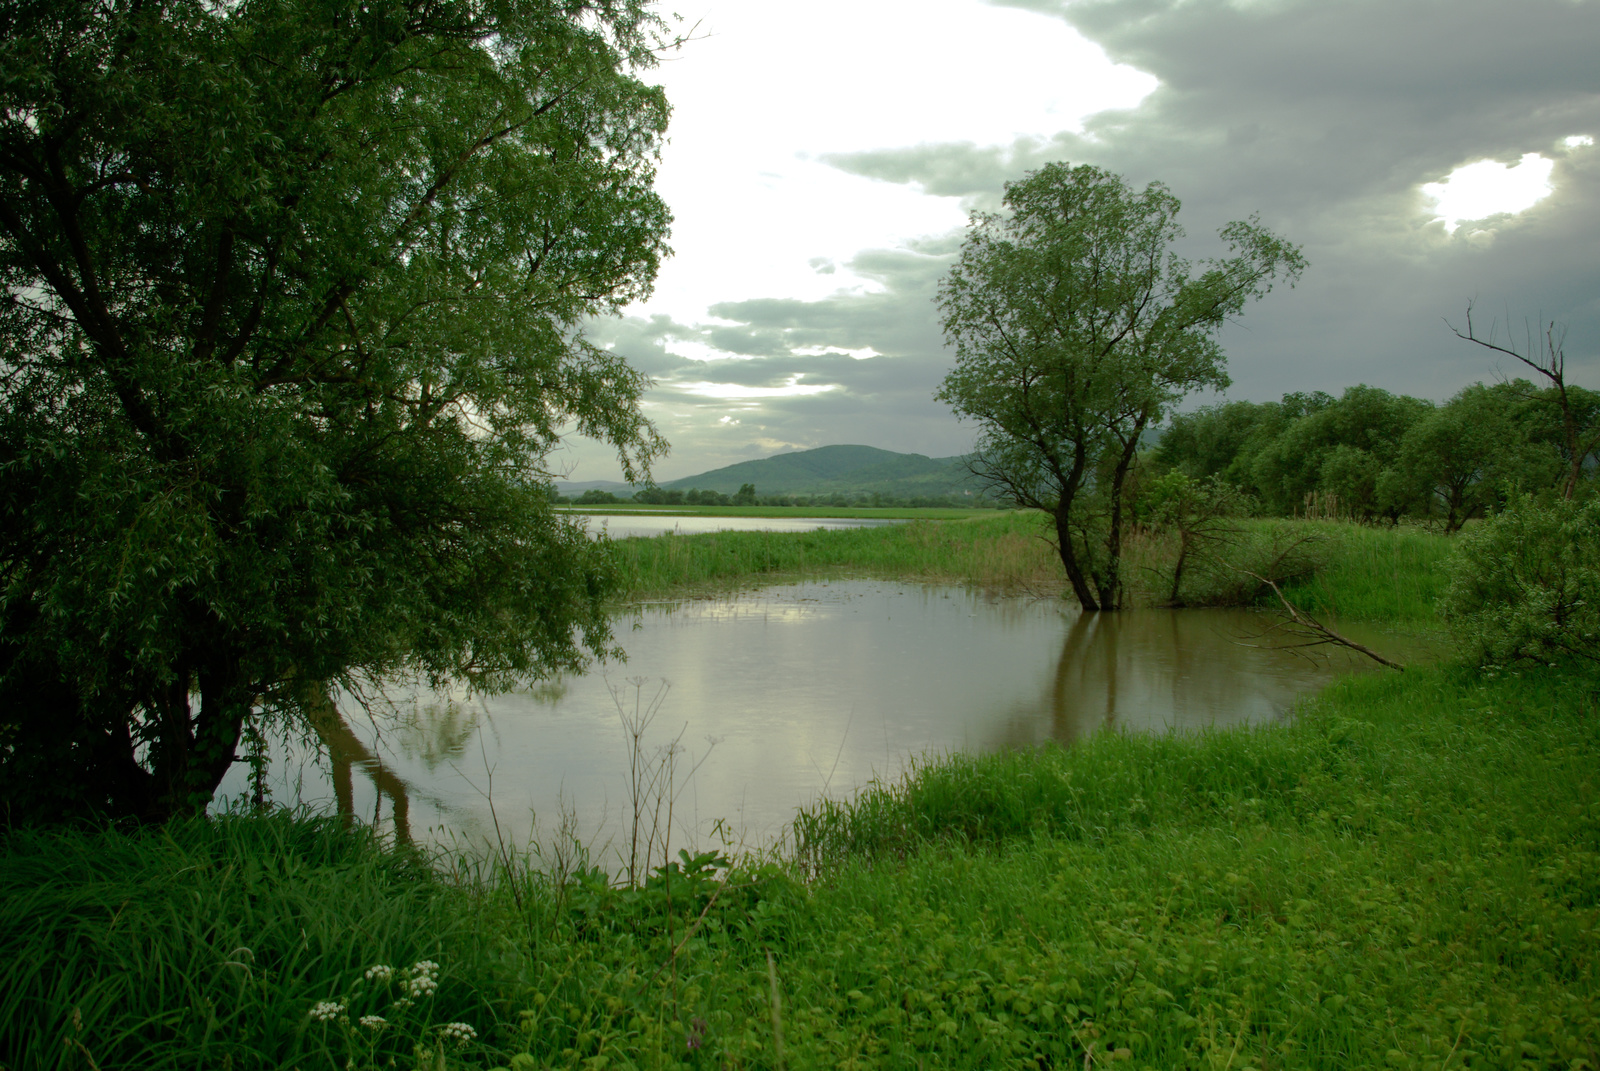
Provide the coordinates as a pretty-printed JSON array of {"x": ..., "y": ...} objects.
[
  {"x": 1161, "y": 670},
  {"x": 346, "y": 752},
  {"x": 807, "y": 690}
]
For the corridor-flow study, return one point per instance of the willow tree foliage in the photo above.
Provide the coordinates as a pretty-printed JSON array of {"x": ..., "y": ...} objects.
[
  {"x": 292, "y": 296},
  {"x": 1076, "y": 327}
]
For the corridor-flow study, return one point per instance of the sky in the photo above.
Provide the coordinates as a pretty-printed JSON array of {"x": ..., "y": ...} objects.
[{"x": 823, "y": 164}]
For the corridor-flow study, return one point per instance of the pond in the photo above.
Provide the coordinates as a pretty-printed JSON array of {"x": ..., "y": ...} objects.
[{"x": 776, "y": 697}]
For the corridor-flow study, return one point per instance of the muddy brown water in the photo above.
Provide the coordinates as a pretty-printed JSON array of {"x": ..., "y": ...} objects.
[{"x": 776, "y": 697}]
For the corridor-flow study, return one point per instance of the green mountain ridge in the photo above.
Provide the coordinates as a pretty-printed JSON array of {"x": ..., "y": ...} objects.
[{"x": 838, "y": 469}]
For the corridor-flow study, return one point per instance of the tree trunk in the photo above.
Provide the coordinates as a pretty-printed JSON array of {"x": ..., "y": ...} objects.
[
  {"x": 195, "y": 752},
  {"x": 1174, "y": 600},
  {"x": 1069, "y": 560},
  {"x": 1111, "y": 581}
]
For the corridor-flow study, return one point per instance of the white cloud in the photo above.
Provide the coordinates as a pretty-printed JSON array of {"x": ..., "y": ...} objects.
[
  {"x": 1488, "y": 188},
  {"x": 793, "y": 388},
  {"x": 817, "y": 351},
  {"x": 764, "y": 94}
]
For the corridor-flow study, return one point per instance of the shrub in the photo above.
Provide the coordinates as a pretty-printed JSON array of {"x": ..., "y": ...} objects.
[{"x": 1525, "y": 585}]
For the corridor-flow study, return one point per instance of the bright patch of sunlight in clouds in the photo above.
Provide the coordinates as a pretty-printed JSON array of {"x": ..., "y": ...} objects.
[{"x": 1488, "y": 188}]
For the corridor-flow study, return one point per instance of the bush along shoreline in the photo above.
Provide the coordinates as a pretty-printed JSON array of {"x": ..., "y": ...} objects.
[{"x": 1405, "y": 874}]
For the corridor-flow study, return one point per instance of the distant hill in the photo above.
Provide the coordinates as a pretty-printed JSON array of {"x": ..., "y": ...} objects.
[{"x": 841, "y": 469}]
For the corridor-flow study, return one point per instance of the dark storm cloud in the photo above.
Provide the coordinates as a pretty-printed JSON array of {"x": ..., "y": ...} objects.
[{"x": 1326, "y": 117}]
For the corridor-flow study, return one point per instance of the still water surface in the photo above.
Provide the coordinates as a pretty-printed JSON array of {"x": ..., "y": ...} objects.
[
  {"x": 789, "y": 693},
  {"x": 624, "y": 525}
]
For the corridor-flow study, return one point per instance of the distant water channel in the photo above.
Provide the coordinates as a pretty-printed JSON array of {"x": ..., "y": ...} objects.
[
  {"x": 789, "y": 693},
  {"x": 624, "y": 525}
]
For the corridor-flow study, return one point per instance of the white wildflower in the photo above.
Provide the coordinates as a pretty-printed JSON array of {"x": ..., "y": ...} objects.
[
  {"x": 421, "y": 986},
  {"x": 404, "y": 1002},
  {"x": 460, "y": 1033},
  {"x": 379, "y": 972},
  {"x": 325, "y": 1011},
  {"x": 425, "y": 967},
  {"x": 374, "y": 1022}
]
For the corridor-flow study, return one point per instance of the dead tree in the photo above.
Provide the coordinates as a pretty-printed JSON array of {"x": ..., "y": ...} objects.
[{"x": 1545, "y": 356}]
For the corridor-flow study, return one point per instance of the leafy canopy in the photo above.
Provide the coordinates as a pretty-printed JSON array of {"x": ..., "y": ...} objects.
[{"x": 293, "y": 292}]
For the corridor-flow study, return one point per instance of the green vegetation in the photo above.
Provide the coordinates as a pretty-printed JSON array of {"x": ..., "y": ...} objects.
[
  {"x": 1004, "y": 551},
  {"x": 1409, "y": 875},
  {"x": 1353, "y": 572},
  {"x": 1526, "y": 585},
  {"x": 1371, "y": 455},
  {"x": 293, "y": 322},
  {"x": 207, "y": 943},
  {"x": 1389, "y": 575}
]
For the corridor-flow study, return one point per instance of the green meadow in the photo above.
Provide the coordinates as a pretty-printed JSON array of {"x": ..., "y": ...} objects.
[{"x": 1406, "y": 874}]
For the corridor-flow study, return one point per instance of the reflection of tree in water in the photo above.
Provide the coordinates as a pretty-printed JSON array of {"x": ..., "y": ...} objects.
[
  {"x": 1152, "y": 670},
  {"x": 346, "y": 750},
  {"x": 547, "y": 693},
  {"x": 435, "y": 734}
]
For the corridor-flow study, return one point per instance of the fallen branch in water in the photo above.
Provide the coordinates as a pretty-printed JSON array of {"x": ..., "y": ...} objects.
[{"x": 1318, "y": 633}]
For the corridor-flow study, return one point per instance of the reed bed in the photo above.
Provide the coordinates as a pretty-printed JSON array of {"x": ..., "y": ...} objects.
[{"x": 1003, "y": 551}]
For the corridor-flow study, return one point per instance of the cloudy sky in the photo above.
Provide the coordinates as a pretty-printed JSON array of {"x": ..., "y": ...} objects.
[{"x": 823, "y": 163}]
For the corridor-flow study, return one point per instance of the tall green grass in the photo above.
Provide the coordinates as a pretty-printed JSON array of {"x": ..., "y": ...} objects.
[
  {"x": 1408, "y": 876},
  {"x": 206, "y": 944},
  {"x": 1389, "y": 575},
  {"x": 1002, "y": 550}
]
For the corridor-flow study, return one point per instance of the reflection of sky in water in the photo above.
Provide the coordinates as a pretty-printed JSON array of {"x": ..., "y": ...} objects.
[
  {"x": 621, "y": 526},
  {"x": 811, "y": 689}
]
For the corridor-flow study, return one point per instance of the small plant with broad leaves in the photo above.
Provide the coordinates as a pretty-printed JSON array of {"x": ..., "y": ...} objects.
[{"x": 1525, "y": 585}]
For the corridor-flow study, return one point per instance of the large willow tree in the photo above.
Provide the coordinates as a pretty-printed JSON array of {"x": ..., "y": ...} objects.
[
  {"x": 1076, "y": 327},
  {"x": 292, "y": 295}
]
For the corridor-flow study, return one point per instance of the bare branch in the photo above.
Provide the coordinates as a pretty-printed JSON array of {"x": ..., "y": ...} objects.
[{"x": 1315, "y": 632}]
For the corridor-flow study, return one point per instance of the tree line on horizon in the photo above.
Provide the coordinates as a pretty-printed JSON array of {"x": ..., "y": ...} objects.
[{"x": 1373, "y": 456}]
